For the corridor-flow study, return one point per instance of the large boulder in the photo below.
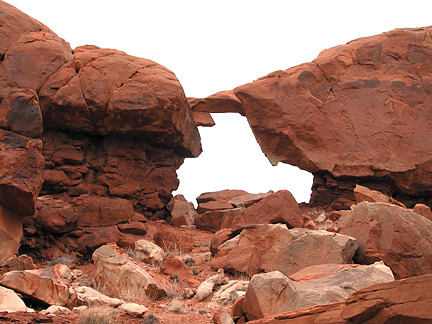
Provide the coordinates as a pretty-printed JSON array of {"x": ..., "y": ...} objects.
[
  {"x": 21, "y": 172},
  {"x": 214, "y": 220},
  {"x": 402, "y": 301},
  {"x": 10, "y": 302},
  {"x": 395, "y": 235},
  {"x": 55, "y": 215},
  {"x": 120, "y": 277},
  {"x": 182, "y": 212},
  {"x": 20, "y": 113},
  {"x": 11, "y": 232},
  {"x": 97, "y": 211},
  {"x": 271, "y": 247},
  {"x": 279, "y": 207},
  {"x": 272, "y": 293},
  {"x": 223, "y": 195},
  {"x": 105, "y": 91},
  {"x": 38, "y": 286},
  {"x": 357, "y": 111},
  {"x": 406, "y": 301},
  {"x": 235, "y": 209}
]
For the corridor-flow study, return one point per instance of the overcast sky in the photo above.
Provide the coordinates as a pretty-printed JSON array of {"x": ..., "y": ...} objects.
[{"x": 219, "y": 45}]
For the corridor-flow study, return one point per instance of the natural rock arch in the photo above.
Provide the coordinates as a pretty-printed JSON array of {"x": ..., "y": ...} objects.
[{"x": 358, "y": 114}]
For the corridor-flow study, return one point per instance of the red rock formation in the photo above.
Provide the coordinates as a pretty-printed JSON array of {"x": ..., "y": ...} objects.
[
  {"x": 182, "y": 212},
  {"x": 392, "y": 234},
  {"x": 358, "y": 112},
  {"x": 279, "y": 207},
  {"x": 20, "y": 113},
  {"x": 271, "y": 247},
  {"x": 402, "y": 301},
  {"x": 104, "y": 91},
  {"x": 272, "y": 293},
  {"x": 21, "y": 172},
  {"x": 115, "y": 127},
  {"x": 22, "y": 164}
]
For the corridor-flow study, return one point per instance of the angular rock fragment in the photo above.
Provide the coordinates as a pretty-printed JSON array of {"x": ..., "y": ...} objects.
[
  {"x": 275, "y": 247},
  {"x": 10, "y": 232},
  {"x": 10, "y": 302},
  {"x": 206, "y": 287},
  {"x": 92, "y": 297},
  {"x": 20, "y": 113},
  {"x": 133, "y": 309},
  {"x": 392, "y": 234},
  {"x": 21, "y": 172},
  {"x": 118, "y": 276},
  {"x": 149, "y": 252},
  {"x": 34, "y": 285},
  {"x": 273, "y": 293},
  {"x": 279, "y": 207},
  {"x": 182, "y": 211},
  {"x": 97, "y": 211}
]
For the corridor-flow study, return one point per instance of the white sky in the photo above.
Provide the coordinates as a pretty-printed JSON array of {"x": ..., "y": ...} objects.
[{"x": 219, "y": 45}]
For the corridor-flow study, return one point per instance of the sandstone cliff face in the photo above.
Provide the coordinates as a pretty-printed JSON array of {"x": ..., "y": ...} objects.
[
  {"x": 114, "y": 125},
  {"x": 358, "y": 112}
]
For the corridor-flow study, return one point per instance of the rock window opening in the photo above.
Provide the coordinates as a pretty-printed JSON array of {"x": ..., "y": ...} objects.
[{"x": 232, "y": 159}]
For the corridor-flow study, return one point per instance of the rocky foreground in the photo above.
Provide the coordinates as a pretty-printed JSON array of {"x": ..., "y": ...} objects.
[{"x": 90, "y": 141}]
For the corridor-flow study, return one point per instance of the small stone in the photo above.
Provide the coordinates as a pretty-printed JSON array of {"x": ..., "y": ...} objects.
[{"x": 133, "y": 309}]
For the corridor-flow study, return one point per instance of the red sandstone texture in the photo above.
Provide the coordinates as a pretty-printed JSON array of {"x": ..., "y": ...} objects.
[
  {"x": 112, "y": 125},
  {"x": 359, "y": 110},
  {"x": 115, "y": 129}
]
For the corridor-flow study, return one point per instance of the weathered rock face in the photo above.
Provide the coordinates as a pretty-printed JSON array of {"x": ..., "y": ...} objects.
[
  {"x": 392, "y": 234},
  {"x": 22, "y": 164},
  {"x": 358, "y": 111},
  {"x": 10, "y": 232},
  {"x": 280, "y": 207},
  {"x": 106, "y": 91},
  {"x": 118, "y": 276},
  {"x": 20, "y": 113},
  {"x": 264, "y": 248},
  {"x": 272, "y": 293},
  {"x": 115, "y": 125},
  {"x": 401, "y": 301},
  {"x": 21, "y": 172},
  {"x": 110, "y": 167},
  {"x": 39, "y": 287},
  {"x": 182, "y": 212},
  {"x": 10, "y": 302}
]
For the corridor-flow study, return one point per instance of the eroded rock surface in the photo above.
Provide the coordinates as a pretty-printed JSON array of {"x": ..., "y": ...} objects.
[
  {"x": 358, "y": 111},
  {"x": 38, "y": 286},
  {"x": 118, "y": 276},
  {"x": 395, "y": 235},
  {"x": 272, "y": 293},
  {"x": 10, "y": 302},
  {"x": 275, "y": 247},
  {"x": 407, "y": 301},
  {"x": 115, "y": 125}
]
